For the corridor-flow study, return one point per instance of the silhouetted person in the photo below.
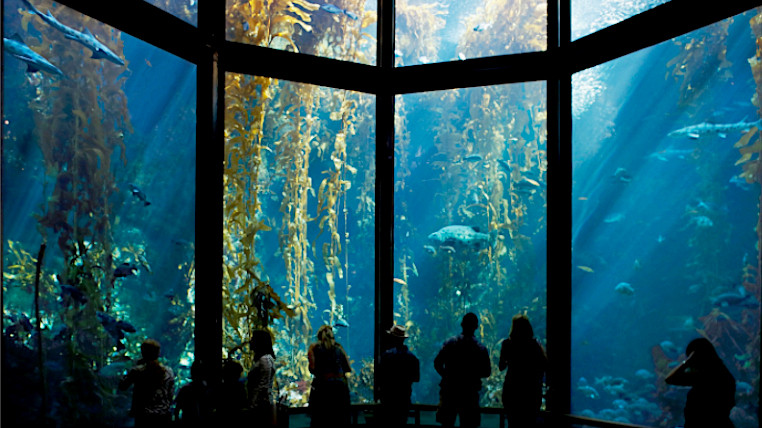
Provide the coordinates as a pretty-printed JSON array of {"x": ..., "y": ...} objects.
[
  {"x": 462, "y": 362},
  {"x": 231, "y": 395},
  {"x": 526, "y": 361},
  {"x": 329, "y": 396},
  {"x": 398, "y": 369},
  {"x": 713, "y": 388},
  {"x": 260, "y": 380},
  {"x": 154, "y": 388},
  {"x": 192, "y": 405}
]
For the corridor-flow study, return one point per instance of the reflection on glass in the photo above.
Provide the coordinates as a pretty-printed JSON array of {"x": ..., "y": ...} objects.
[
  {"x": 469, "y": 209},
  {"x": 665, "y": 220},
  {"x": 98, "y": 170},
  {"x": 299, "y": 216},
  {"x": 589, "y": 16},
  {"x": 187, "y": 10},
  {"x": 430, "y": 31},
  {"x": 338, "y": 29}
]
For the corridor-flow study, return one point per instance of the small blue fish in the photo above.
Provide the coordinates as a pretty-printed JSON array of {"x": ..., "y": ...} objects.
[
  {"x": 331, "y": 8},
  {"x": 351, "y": 15}
]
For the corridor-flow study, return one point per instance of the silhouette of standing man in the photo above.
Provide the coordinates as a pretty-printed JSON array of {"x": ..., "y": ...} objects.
[
  {"x": 398, "y": 368},
  {"x": 462, "y": 362}
]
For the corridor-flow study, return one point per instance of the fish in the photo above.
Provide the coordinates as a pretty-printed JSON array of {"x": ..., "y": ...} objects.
[
  {"x": 740, "y": 299},
  {"x": 431, "y": 250},
  {"x": 586, "y": 269},
  {"x": 644, "y": 374},
  {"x": 624, "y": 288},
  {"x": 506, "y": 166},
  {"x": 447, "y": 249},
  {"x": 462, "y": 238},
  {"x": 461, "y": 56},
  {"x": 125, "y": 269},
  {"x": 483, "y": 26},
  {"x": 330, "y": 8},
  {"x": 740, "y": 182},
  {"x": 667, "y": 154},
  {"x": 622, "y": 174},
  {"x": 351, "y": 15},
  {"x": 669, "y": 349},
  {"x": 74, "y": 293},
  {"x": 399, "y": 281},
  {"x": 527, "y": 185},
  {"x": 720, "y": 129},
  {"x": 744, "y": 388},
  {"x": 114, "y": 327},
  {"x": 135, "y": 190},
  {"x": 614, "y": 218},
  {"x": 86, "y": 38},
  {"x": 701, "y": 221},
  {"x": 588, "y": 391},
  {"x": 473, "y": 158},
  {"x": 35, "y": 62}
]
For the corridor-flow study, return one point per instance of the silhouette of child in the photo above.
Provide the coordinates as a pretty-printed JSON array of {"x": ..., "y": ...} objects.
[
  {"x": 260, "y": 380},
  {"x": 192, "y": 405}
]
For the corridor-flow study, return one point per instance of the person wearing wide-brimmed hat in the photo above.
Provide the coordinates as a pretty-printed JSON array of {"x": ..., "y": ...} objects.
[{"x": 398, "y": 369}]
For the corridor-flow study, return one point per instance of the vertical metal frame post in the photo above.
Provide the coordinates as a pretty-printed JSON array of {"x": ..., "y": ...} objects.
[
  {"x": 384, "y": 233},
  {"x": 559, "y": 212},
  {"x": 210, "y": 155}
]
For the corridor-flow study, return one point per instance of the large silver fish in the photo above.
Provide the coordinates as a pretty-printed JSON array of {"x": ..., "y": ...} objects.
[
  {"x": 85, "y": 38},
  {"x": 34, "y": 62},
  {"x": 462, "y": 238},
  {"x": 720, "y": 129}
]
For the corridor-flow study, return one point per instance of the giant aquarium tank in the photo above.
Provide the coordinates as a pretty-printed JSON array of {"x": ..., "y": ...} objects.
[{"x": 319, "y": 165}]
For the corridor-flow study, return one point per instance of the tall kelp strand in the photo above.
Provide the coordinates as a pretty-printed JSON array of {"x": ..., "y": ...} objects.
[
  {"x": 287, "y": 178},
  {"x": 80, "y": 120},
  {"x": 335, "y": 28},
  {"x": 83, "y": 281}
]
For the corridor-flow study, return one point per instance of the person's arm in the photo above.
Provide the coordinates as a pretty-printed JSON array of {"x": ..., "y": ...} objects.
[
  {"x": 128, "y": 379},
  {"x": 311, "y": 358},
  {"x": 486, "y": 364},
  {"x": 439, "y": 363},
  {"x": 682, "y": 375},
  {"x": 502, "y": 364},
  {"x": 416, "y": 369}
]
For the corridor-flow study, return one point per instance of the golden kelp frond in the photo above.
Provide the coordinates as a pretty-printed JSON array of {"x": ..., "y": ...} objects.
[
  {"x": 262, "y": 23},
  {"x": 702, "y": 54},
  {"x": 422, "y": 23}
]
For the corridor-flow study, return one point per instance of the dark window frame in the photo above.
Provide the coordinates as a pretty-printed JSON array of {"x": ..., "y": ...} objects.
[{"x": 206, "y": 46}]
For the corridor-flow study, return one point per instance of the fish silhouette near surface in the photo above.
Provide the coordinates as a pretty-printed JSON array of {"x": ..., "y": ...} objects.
[
  {"x": 461, "y": 238},
  {"x": 740, "y": 299},
  {"x": 720, "y": 129},
  {"x": 35, "y": 62},
  {"x": 86, "y": 38}
]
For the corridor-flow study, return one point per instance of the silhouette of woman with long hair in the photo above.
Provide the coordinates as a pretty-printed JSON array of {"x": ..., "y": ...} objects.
[
  {"x": 713, "y": 388},
  {"x": 525, "y": 359},
  {"x": 329, "y": 396}
]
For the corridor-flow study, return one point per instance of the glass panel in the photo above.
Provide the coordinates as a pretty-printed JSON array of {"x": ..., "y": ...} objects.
[
  {"x": 589, "y": 16},
  {"x": 98, "y": 169},
  {"x": 665, "y": 222},
  {"x": 187, "y": 10},
  {"x": 338, "y": 29},
  {"x": 299, "y": 222},
  {"x": 469, "y": 233},
  {"x": 430, "y": 31}
]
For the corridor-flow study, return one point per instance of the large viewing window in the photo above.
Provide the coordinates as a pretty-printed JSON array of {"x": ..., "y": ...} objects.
[{"x": 196, "y": 172}]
